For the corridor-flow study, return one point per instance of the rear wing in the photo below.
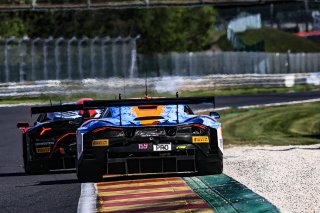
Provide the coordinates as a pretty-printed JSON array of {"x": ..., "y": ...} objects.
[
  {"x": 56, "y": 108},
  {"x": 149, "y": 101}
]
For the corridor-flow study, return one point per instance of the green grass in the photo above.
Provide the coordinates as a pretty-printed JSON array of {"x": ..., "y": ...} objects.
[
  {"x": 297, "y": 124},
  {"x": 275, "y": 41},
  {"x": 73, "y": 97}
]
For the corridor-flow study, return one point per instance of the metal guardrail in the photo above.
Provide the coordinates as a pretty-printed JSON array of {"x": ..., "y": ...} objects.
[
  {"x": 170, "y": 84},
  {"x": 10, "y": 5}
]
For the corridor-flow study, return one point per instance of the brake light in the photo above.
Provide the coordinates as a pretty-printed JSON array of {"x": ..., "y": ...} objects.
[
  {"x": 44, "y": 130},
  {"x": 199, "y": 129}
]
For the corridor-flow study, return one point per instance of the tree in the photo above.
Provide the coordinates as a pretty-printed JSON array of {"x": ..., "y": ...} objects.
[
  {"x": 11, "y": 25},
  {"x": 176, "y": 29}
]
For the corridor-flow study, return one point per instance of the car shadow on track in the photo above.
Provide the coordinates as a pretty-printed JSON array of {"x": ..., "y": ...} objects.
[
  {"x": 57, "y": 182},
  {"x": 18, "y": 174},
  {"x": 142, "y": 176},
  {"x": 13, "y": 174}
]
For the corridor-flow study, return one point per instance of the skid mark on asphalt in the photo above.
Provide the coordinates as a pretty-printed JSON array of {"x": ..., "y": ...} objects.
[{"x": 149, "y": 195}]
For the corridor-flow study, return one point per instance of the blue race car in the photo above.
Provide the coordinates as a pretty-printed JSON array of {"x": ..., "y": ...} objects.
[
  {"x": 51, "y": 142},
  {"x": 150, "y": 135}
]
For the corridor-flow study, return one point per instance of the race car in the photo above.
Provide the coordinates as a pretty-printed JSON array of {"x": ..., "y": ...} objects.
[
  {"x": 150, "y": 135},
  {"x": 51, "y": 142}
]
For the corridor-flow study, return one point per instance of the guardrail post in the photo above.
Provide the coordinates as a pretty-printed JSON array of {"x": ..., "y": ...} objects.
[
  {"x": 114, "y": 56},
  {"x": 22, "y": 54},
  {"x": 56, "y": 56},
  {"x": 92, "y": 57},
  {"x": 133, "y": 42},
  {"x": 45, "y": 56},
  {"x": 33, "y": 55},
  {"x": 103, "y": 55},
  {"x": 80, "y": 56},
  {"x": 69, "y": 57},
  {"x": 6, "y": 57},
  {"x": 288, "y": 62}
]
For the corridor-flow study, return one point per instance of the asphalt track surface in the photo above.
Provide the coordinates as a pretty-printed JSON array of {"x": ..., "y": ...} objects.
[{"x": 60, "y": 191}]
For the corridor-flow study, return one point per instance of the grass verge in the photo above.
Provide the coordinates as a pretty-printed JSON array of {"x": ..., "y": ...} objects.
[
  {"x": 297, "y": 124},
  {"x": 274, "y": 40}
]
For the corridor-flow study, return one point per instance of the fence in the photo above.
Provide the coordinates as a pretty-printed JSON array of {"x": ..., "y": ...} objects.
[
  {"x": 208, "y": 63},
  {"x": 100, "y": 58},
  {"x": 76, "y": 58}
]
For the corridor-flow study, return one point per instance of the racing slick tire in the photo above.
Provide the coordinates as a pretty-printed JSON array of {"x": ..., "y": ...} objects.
[
  {"x": 35, "y": 168},
  {"x": 206, "y": 167},
  {"x": 89, "y": 171}
]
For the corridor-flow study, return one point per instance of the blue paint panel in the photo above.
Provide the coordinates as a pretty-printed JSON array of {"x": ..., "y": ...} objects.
[{"x": 169, "y": 115}]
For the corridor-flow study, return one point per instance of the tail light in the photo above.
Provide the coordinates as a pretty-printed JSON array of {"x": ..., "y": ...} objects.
[
  {"x": 129, "y": 133},
  {"x": 45, "y": 130},
  {"x": 199, "y": 129},
  {"x": 195, "y": 129},
  {"x": 171, "y": 131}
]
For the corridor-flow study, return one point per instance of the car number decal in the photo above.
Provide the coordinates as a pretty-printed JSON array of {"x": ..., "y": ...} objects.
[
  {"x": 162, "y": 147},
  {"x": 43, "y": 150},
  {"x": 143, "y": 146}
]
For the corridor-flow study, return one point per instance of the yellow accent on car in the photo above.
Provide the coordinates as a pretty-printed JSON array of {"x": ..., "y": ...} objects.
[
  {"x": 149, "y": 110},
  {"x": 43, "y": 150},
  {"x": 101, "y": 142},
  {"x": 200, "y": 139},
  {"x": 181, "y": 147}
]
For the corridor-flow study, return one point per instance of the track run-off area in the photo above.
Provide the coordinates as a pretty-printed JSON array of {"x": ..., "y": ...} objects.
[{"x": 60, "y": 191}]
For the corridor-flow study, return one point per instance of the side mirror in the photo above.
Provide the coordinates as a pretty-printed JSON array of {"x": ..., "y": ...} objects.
[
  {"x": 22, "y": 125},
  {"x": 214, "y": 114}
]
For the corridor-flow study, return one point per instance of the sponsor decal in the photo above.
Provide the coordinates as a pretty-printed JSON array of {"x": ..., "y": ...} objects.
[
  {"x": 43, "y": 150},
  {"x": 143, "y": 146},
  {"x": 181, "y": 147},
  {"x": 162, "y": 147},
  {"x": 200, "y": 139},
  {"x": 44, "y": 143},
  {"x": 102, "y": 142}
]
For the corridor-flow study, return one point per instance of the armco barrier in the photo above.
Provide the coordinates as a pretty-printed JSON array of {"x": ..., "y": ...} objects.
[{"x": 158, "y": 84}]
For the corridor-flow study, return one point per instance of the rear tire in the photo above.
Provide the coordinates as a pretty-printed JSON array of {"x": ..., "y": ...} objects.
[
  {"x": 32, "y": 167},
  {"x": 35, "y": 168},
  {"x": 89, "y": 171}
]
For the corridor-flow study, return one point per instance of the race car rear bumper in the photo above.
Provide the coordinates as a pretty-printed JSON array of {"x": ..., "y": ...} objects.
[
  {"x": 113, "y": 162},
  {"x": 151, "y": 164}
]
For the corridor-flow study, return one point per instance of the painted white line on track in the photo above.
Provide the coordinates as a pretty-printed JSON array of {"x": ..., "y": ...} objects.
[
  {"x": 88, "y": 198},
  {"x": 16, "y": 105},
  {"x": 281, "y": 103},
  {"x": 260, "y": 105}
]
